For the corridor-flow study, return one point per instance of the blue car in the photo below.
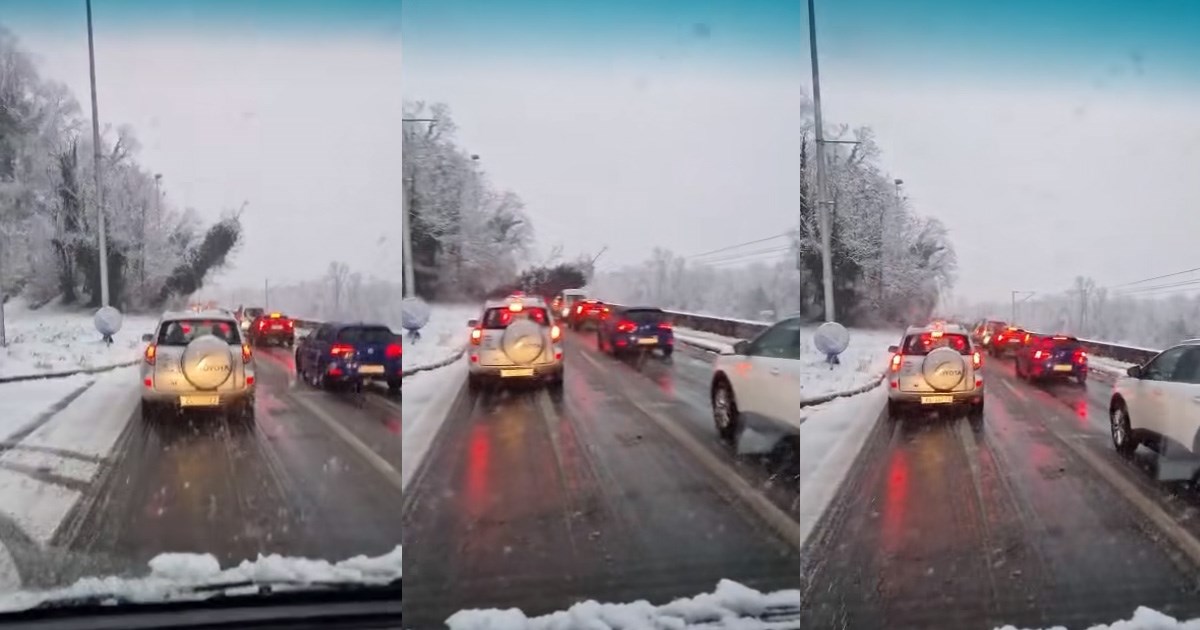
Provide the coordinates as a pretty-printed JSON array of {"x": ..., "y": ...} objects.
[
  {"x": 321, "y": 357},
  {"x": 1052, "y": 357},
  {"x": 630, "y": 329}
]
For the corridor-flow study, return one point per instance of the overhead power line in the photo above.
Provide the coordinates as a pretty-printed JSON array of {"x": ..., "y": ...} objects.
[
  {"x": 739, "y": 245},
  {"x": 745, "y": 256},
  {"x": 1167, "y": 275}
]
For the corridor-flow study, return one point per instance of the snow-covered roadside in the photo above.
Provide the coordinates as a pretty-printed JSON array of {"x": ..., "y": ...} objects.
[
  {"x": 442, "y": 339},
  {"x": 56, "y": 339},
  {"x": 730, "y": 606},
  {"x": 427, "y": 399},
  {"x": 1110, "y": 368}
]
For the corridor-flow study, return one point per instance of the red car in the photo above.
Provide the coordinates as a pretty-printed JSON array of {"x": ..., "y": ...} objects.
[
  {"x": 270, "y": 328},
  {"x": 1006, "y": 340},
  {"x": 587, "y": 314}
]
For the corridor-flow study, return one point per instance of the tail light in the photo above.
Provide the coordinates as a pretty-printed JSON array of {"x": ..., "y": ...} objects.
[
  {"x": 393, "y": 351},
  {"x": 477, "y": 336},
  {"x": 1080, "y": 356},
  {"x": 664, "y": 326},
  {"x": 896, "y": 359},
  {"x": 555, "y": 333},
  {"x": 151, "y": 352},
  {"x": 516, "y": 307},
  {"x": 578, "y": 309},
  {"x": 289, "y": 323},
  {"x": 977, "y": 360},
  {"x": 626, "y": 326},
  {"x": 262, "y": 324},
  {"x": 246, "y": 354},
  {"x": 341, "y": 348},
  {"x": 1037, "y": 355}
]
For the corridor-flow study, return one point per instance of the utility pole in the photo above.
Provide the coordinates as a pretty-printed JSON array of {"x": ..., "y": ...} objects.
[
  {"x": 1028, "y": 294},
  {"x": 822, "y": 204},
  {"x": 407, "y": 197},
  {"x": 266, "y": 294},
  {"x": 96, "y": 154}
]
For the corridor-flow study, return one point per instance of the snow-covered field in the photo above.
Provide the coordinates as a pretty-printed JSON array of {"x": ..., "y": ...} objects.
[
  {"x": 1111, "y": 368},
  {"x": 57, "y": 339},
  {"x": 443, "y": 337}
]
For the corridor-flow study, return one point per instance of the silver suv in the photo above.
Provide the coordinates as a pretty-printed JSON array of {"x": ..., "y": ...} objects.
[
  {"x": 198, "y": 360},
  {"x": 515, "y": 339},
  {"x": 935, "y": 366}
]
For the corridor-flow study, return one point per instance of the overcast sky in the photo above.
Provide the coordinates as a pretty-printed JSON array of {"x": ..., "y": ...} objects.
[
  {"x": 1053, "y": 139},
  {"x": 291, "y": 106}
]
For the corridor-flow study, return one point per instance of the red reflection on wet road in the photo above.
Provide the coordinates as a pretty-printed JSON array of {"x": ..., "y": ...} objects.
[
  {"x": 479, "y": 455},
  {"x": 895, "y": 504},
  {"x": 1081, "y": 411}
]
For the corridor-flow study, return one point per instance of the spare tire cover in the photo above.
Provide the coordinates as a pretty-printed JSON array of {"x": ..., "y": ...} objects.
[
  {"x": 523, "y": 342},
  {"x": 943, "y": 369},
  {"x": 207, "y": 362}
]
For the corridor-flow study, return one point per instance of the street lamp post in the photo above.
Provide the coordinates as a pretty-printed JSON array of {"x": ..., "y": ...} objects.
[{"x": 96, "y": 155}]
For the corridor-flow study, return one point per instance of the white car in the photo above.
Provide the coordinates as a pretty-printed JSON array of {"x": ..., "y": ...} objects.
[
  {"x": 515, "y": 339},
  {"x": 757, "y": 385},
  {"x": 1158, "y": 404},
  {"x": 935, "y": 366},
  {"x": 197, "y": 360}
]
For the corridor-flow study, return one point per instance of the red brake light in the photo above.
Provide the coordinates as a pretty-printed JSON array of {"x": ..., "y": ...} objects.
[
  {"x": 1037, "y": 355},
  {"x": 1080, "y": 356},
  {"x": 579, "y": 309},
  {"x": 555, "y": 333},
  {"x": 341, "y": 348},
  {"x": 664, "y": 326},
  {"x": 626, "y": 326},
  {"x": 246, "y": 354},
  {"x": 151, "y": 352},
  {"x": 476, "y": 336},
  {"x": 976, "y": 360},
  {"x": 516, "y": 307},
  {"x": 393, "y": 351},
  {"x": 262, "y": 323},
  {"x": 896, "y": 358}
]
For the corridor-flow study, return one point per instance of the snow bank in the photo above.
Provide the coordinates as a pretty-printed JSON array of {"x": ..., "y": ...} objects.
[
  {"x": 427, "y": 399},
  {"x": 442, "y": 338},
  {"x": 1110, "y": 367},
  {"x": 172, "y": 575},
  {"x": 1143, "y": 619},
  {"x": 56, "y": 339},
  {"x": 730, "y": 606}
]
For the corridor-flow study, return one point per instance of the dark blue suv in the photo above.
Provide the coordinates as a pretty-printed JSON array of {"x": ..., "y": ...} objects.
[
  {"x": 628, "y": 329},
  {"x": 1044, "y": 357},
  {"x": 321, "y": 356}
]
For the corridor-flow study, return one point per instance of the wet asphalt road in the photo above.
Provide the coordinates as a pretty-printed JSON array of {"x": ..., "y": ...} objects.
[
  {"x": 946, "y": 524},
  {"x": 533, "y": 500},
  {"x": 291, "y": 483}
]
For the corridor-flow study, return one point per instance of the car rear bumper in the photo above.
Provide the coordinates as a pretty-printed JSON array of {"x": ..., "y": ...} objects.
[
  {"x": 1048, "y": 371},
  {"x": 546, "y": 371},
  {"x": 974, "y": 396},
  {"x": 633, "y": 341},
  {"x": 174, "y": 399}
]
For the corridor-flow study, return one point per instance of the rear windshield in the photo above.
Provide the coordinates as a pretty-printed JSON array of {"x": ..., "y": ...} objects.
[
  {"x": 182, "y": 332},
  {"x": 498, "y": 318},
  {"x": 366, "y": 334},
  {"x": 1050, "y": 343},
  {"x": 645, "y": 316},
  {"x": 925, "y": 343},
  {"x": 252, "y": 312}
]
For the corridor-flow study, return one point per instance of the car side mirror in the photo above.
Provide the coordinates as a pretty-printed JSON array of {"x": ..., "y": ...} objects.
[
  {"x": 147, "y": 337},
  {"x": 893, "y": 349},
  {"x": 1135, "y": 371},
  {"x": 741, "y": 347},
  {"x": 472, "y": 323}
]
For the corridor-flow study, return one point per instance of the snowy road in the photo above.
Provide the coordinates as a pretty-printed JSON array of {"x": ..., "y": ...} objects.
[
  {"x": 314, "y": 476},
  {"x": 532, "y": 500},
  {"x": 1030, "y": 518}
]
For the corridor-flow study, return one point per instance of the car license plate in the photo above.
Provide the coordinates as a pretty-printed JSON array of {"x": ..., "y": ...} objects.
[
  {"x": 517, "y": 372},
  {"x": 207, "y": 400},
  {"x": 936, "y": 400},
  {"x": 370, "y": 369},
  {"x": 277, "y": 327},
  {"x": 648, "y": 341},
  {"x": 1063, "y": 368}
]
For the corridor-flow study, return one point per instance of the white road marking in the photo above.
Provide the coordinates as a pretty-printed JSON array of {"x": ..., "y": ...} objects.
[
  {"x": 778, "y": 520},
  {"x": 1015, "y": 392},
  {"x": 378, "y": 463}
]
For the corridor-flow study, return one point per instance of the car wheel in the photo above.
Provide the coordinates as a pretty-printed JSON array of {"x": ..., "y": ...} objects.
[
  {"x": 975, "y": 412},
  {"x": 1122, "y": 431},
  {"x": 472, "y": 383},
  {"x": 894, "y": 409},
  {"x": 149, "y": 411},
  {"x": 394, "y": 385},
  {"x": 725, "y": 413},
  {"x": 556, "y": 383},
  {"x": 1081, "y": 380}
]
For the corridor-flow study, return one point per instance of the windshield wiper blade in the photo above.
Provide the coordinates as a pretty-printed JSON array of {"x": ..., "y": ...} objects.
[
  {"x": 218, "y": 590},
  {"x": 266, "y": 587}
]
